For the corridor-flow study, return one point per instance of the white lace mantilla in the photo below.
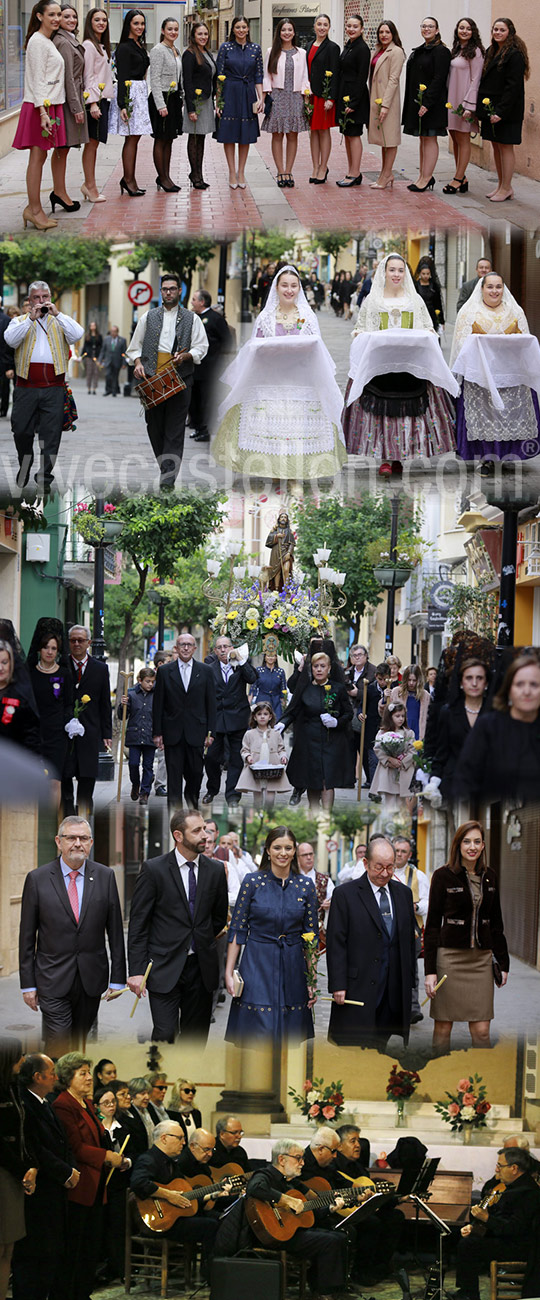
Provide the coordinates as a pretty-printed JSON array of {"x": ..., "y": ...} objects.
[
  {"x": 516, "y": 423},
  {"x": 292, "y": 425}
]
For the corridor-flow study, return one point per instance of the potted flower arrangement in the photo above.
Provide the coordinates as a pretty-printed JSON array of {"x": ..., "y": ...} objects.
[
  {"x": 401, "y": 1085},
  {"x": 467, "y": 1108},
  {"x": 322, "y": 1103},
  {"x": 94, "y": 529}
]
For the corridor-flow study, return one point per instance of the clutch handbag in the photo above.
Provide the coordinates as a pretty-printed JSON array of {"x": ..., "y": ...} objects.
[
  {"x": 238, "y": 984},
  {"x": 497, "y": 972}
]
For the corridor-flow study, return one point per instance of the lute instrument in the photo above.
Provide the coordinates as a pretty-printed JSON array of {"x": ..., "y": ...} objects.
[{"x": 159, "y": 1214}]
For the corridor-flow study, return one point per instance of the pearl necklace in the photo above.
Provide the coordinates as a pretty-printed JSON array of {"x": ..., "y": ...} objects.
[{"x": 468, "y": 710}]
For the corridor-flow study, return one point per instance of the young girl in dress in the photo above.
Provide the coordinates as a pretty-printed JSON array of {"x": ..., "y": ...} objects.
[
  {"x": 262, "y": 746},
  {"x": 394, "y": 770}
]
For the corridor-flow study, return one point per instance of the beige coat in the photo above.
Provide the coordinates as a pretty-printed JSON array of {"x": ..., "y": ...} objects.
[
  {"x": 251, "y": 745},
  {"x": 385, "y": 86}
]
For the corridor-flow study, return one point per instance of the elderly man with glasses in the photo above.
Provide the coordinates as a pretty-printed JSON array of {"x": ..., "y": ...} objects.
[
  {"x": 69, "y": 908},
  {"x": 228, "y": 1151},
  {"x": 91, "y": 730},
  {"x": 153, "y": 1173},
  {"x": 507, "y": 1229}
]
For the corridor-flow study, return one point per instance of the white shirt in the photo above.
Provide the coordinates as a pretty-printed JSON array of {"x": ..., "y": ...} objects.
[
  {"x": 199, "y": 337},
  {"x": 185, "y": 671},
  {"x": 41, "y": 354},
  {"x": 400, "y": 873},
  {"x": 376, "y": 889},
  {"x": 351, "y": 871}
]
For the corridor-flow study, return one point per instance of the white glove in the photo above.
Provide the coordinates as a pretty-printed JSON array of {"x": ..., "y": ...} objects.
[
  {"x": 74, "y": 728},
  {"x": 422, "y": 777},
  {"x": 327, "y": 720},
  {"x": 432, "y": 786},
  {"x": 279, "y": 727}
]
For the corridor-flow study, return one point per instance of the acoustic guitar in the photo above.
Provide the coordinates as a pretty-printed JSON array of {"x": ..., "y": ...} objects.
[
  {"x": 159, "y": 1215},
  {"x": 363, "y": 1185},
  {"x": 272, "y": 1224},
  {"x": 478, "y": 1228}
]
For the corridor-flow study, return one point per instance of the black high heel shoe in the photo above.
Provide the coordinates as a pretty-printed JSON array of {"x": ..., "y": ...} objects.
[
  {"x": 347, "y": 185},
  {"x": 323, "y": 179},
  {"x": 133, "y": 194},
  {"x": 171, "y": 188},
  {"x": 67, "y": 207},
  {"x": 421, "y": 189},
  {"x": 197, "y": 183},
  {"x": 461, "y": 187}
]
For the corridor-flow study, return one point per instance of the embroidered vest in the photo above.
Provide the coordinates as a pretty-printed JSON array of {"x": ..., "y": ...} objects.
[
  {"x": 57, "y": 343},
  {"x": 154, "y": 325},
  {"x": 321, "y": 885}
]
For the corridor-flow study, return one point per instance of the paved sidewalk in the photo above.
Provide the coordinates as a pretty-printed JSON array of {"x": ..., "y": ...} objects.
[{"x": 224, "y": 213}]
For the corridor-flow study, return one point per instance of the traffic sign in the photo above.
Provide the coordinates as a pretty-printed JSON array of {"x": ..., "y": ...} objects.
[
  {"x": 332, "y": 845},
  {"x": 140, "y": 293}
]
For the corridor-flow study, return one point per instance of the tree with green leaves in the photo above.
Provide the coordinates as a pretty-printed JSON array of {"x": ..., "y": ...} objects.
[
  {"x": 271, "y": 245},
  {"x": 65, "y": 262},
  {"x": 179, "y": 256},
  {"x": 331, "y": 242},
  {"x": 157, "y": 533},
  {"x": 352, "y": 530},
  {"x": 298, "y": 821}
]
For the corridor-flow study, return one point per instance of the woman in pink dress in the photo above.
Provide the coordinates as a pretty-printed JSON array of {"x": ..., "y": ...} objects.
[
  {"x": 41, "y": 120},
  {"x": 465, "y": 72}
]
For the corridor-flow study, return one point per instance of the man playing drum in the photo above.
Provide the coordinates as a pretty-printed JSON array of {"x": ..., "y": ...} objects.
[{"x": 168, "y": 336}]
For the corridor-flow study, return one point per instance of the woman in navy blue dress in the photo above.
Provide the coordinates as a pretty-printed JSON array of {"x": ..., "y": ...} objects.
[
  {"x": 275, "y": 907},
  {"x": 240, "y": 62},
  {"x": 271, "y": 684}
]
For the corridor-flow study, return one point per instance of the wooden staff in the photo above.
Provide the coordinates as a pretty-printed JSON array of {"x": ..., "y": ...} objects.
[
  {"x": 362, "y": 736},
  {"x": 112, "y": 1168},
  {"x": 126, "y": 677},
  {"x": 138, "y": 995},
  {"x": 347, "y": 1002},
  {"x": 437, "y": 986}
]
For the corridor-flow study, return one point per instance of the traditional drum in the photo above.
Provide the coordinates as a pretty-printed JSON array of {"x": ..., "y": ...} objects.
[{"x": 155, "y": 389}]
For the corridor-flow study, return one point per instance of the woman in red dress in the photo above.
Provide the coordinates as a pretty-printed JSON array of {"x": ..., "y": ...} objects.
[{"x": 323, "y": 66}]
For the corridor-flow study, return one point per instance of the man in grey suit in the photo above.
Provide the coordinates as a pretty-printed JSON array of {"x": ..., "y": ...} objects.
[
  {"x": 112, "y": 358},
  {"x": 483, "y": 267},
  {"x": 68, "y": 908}
]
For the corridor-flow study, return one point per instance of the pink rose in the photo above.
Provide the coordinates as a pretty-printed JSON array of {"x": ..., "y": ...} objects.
[
  {"x": 453, "y": 1109},
  {"x": 469, "y": 1099},
  {"x": 329, "y": 1112},
  {"x": 464, "y": 1085},
  {"x": 314, "y": 1110},
  {"x": 308, "y": 1085}
]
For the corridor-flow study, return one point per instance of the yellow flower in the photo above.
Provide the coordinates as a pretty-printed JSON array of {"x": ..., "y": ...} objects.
[
  {"x": 251, "y": 625},
  {"x": 222, "y": 77},
  {"x": 309, "y": 936},
  {"x": 85, "y": 699},
  {"x": 86, "y": 94},
  {"x": 418, "y": 744},
  {"x": 326, "y": 618},
  {"x": 292, "y": 621},
  {"x": 449, "y": 106},
  {"x": 233, "y": 613},
  {"x": 346, "y": 99},
  {"x": 101, "y": 85},
  {"x": 172, "y": 85},
  {"x": 421, "y": 86},
  {"x": 127, "y": 83},
  {"x": 378, "y": 101},
  {"x": 198, "y": 92},
  {"x": 46, "y": 103},
  {"x": 313, "y": 622},
  {"x": 328, "y": 686},
  {"x": 328, "y": 73},
  {"x": 485, "y": 101},
  {"x": 270, "y": 621}
]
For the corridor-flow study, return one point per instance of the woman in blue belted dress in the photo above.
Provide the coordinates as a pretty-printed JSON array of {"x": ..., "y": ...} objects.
[
  {"x": 240, "y": 95},
  {"x": 275, "y": 907}
]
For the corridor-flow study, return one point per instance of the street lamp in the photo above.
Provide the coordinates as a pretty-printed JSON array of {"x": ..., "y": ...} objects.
[{"x": 392, "y": 575}]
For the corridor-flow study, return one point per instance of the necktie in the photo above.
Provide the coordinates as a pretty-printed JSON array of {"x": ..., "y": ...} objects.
[
  {"x": 79, "y": 674},
  {"x": 184, "y": 675},
  {"x": 73, "y": 895},
  {"x": 384, "y": 904},
  {"x": 192, "y": 888}
]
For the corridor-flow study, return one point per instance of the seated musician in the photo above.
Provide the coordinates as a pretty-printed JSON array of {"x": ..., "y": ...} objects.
[
  {"x": 229, "y": 1133},
  {"x": 516, "y": 1140},
  {"x": 387, "y": 1227},
  {"x": 506, "y": 1229},
  {"x": 321, "y": 1163},
  {"x": 164, "y": 335},
  {"x": 326, "y": 1250},
  {"x": 152, "y": 1175}
]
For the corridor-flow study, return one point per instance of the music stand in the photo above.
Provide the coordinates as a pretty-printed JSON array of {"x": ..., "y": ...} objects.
[{"x": 443, "y": 1231}]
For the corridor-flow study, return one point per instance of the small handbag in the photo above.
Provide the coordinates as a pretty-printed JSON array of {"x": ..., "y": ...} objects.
[
  {"x": 268, "y": 102},
  {"x": 238, "y": 984},
  {"x": 497, "y": 972}
]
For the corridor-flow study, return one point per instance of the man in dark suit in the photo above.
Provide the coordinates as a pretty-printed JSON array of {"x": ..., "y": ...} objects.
[
  {"x": 509, "y": 1227},
  {"x": 229, "y": 1134},
  {"x": 483, "y": 267},
  {"x": 201, "y": 407},
  {"x": 37, "y": 1256},
  {"x": 184, "y": 720},
  {"x": 179, "y": 906},
  {"x": 230, "y": 680},
  {"x": 112, "y": 358},
  {"x": 92, "y": 729},
  {"x": 370, "y": 954},
  {"x": 68, "y": 907}
]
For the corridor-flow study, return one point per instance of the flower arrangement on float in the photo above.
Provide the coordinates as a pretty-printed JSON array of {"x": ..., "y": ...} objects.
[
  {"x": 322, "y": 1103},
  {"x": 294, "y": 615}
]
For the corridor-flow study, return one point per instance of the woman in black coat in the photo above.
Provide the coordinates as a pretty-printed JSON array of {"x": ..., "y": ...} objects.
[
  {"x": 428, "y": 286},
  {"x": 320, "y": 758},
  {"x": 323, "y": 67},
  {"x": 199, "y": 73},
  {"x": 353, "y": 101},
  {"x": 501, "y": 756},
  {"x": 456, "y": 719},
  {"x": 17, "y": 1178},
  {"x": 502, "y": 84},
  {"x": 52, "y": 684},
  {"x": 424, "y": 111}
]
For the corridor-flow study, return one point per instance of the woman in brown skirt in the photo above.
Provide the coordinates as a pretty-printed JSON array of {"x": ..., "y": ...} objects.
[{"x": 464, "y": 940}]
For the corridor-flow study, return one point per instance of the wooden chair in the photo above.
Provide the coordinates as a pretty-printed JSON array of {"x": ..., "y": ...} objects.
[
  {"x": 155, "y": 1257},
  {"x": 506, "y": 1278}
]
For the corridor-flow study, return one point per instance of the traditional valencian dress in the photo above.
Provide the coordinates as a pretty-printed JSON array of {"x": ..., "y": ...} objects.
[
  {"x": 498, "y": 361},
  {"x": 281, "y": 418},
  {"x": 398, "y": 402},
  {"x": 270, "y": 917}
]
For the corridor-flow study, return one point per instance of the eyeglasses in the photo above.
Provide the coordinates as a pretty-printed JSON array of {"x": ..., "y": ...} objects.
[
  {"x": 235, "y": 1132},
  {"x": 334, "y": 1150},
  {"x": 206, "y": 1150},
  {"x": 160, "y": 1087},
  {"x": 73, "y": 839},
  {"x": 299, "y": 1159}
]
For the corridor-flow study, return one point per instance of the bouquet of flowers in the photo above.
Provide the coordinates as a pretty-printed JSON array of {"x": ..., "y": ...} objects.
[
  {"x": 293, "y": 614},
  {"x": 401, "y": 1084},
  {"x": 308, "y": 103},
  {"x": 393, "y": 743},
  {"x": 319, "y": 1102},
  {"x": 467, "y": 1108}
]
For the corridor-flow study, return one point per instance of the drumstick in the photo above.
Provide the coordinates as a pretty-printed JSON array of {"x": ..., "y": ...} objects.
[
  {"x": 116, "y": 993},
  {"x": 362, "y": 739},
  {"x": 347, "y": 1002},
  {"x": 138, "y": 995},
  {"x": 113, "y": 1167},
  {"x": 437, "y": 986}
]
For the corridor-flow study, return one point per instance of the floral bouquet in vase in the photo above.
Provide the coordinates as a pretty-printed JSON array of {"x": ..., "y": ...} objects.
[
  {"x": 320, "y": 1102},
  {"x": 401, "y": 1085},
  {"x": 467, "y": 1108}
]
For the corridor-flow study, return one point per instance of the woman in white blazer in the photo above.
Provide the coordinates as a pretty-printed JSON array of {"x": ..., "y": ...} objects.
[
  {"x": 165, "y": 101},
  {"x": 385, "y": 105},
  {"x": 285, "y": 79}
]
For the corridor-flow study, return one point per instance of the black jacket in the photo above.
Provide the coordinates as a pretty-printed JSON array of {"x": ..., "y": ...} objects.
[
  {"x": 96, "y": 717},
  {"x": 450, "y": 913},
  {"x": 179, "y": 714},
  {"x": 232, "y": 705},
  {"x": 500, "y": 759},
  {"x": 355, "y": 957},
  {"x": 46, "y": 1139},
  {"x": 139, "y": 730},
  {"x": 151, "y": 1170},
  {"x": 221, "y": 1156},
  {"x": 353, "y": 81},
  {"x": 161, "y": 927},
  {"x": 326, "y": 59},
  {"x": 453, "y": 730},
  {"x": 503, "y": 84},
  {"x": 219, "y": 338},
  {"x": 197, "y": 76},
  {"x": 132, "y": 63},
  {"x": 427, "y": 65},
  {"x": 511, "y": 1219}
]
